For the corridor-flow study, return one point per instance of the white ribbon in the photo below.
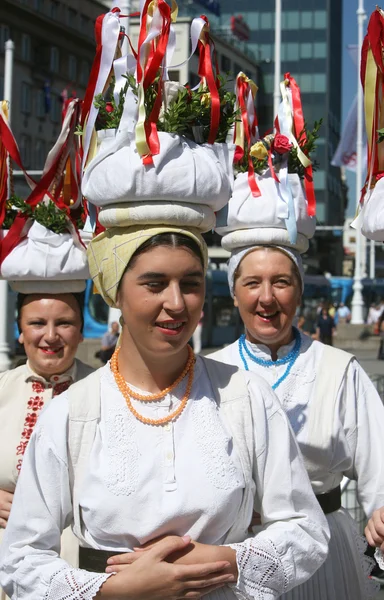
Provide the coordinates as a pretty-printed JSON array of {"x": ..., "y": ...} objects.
[{"x": 109, "y": 38}]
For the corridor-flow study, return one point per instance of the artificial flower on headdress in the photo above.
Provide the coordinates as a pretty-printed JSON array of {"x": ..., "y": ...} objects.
[{"x": 273, "y": 195}]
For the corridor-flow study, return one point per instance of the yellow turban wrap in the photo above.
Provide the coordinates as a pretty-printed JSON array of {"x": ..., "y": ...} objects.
[{"x": 110, "y": 252}]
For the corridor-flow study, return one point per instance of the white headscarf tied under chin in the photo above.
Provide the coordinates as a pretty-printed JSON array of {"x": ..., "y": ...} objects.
[{"x": 238, "y": 255}]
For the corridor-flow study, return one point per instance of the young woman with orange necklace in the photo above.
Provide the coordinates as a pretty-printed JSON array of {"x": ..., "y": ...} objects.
[{"x": 166, "y": 462}]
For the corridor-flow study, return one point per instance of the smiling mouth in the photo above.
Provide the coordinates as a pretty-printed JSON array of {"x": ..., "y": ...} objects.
[
  {"x": 51, "y": 351},
  {"x": 267, "y": 316},
  {"x": 171, "y": 327}
]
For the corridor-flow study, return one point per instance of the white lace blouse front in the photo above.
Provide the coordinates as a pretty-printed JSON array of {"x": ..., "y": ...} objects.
[
  {"x": 354, "y": 446},
  {"x": 184, "y": 478},
  {"x": 193, "y": 481}
]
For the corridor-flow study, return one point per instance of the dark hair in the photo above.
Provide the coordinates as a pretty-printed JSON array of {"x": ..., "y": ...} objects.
[
  {"x": 79, "y": 297},
  {"x": 170, "y": 240}
]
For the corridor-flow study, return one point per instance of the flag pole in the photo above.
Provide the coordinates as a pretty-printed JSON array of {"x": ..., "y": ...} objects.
[
  {"x": 276, "y": 88},
  {"x": 357, "y": 300}
]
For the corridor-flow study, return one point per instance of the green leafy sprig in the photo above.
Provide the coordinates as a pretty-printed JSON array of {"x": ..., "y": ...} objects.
[
  {"x": 47, "y": 214},
  {"x": 189, "y": 114},
  {"x": 307, "y": 142}
]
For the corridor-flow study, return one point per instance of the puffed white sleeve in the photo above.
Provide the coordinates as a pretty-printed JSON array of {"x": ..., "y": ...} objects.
[
  {"x": 30, "y": 565},
  {"x": 362, "y": 414},
  {"x": 294, "y": 540}
]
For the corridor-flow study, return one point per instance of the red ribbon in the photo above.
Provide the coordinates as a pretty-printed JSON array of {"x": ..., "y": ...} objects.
[
  {"x": 90, "y": 91},
  {"x": 242, "y": 89},
  {"x": 13, "y": 237},
  {"x": 374, "y": 41},
  {"x": 151, "y": 71},
  {"x": 299, "y": 130},
  {"x": 205, "y": 71}
]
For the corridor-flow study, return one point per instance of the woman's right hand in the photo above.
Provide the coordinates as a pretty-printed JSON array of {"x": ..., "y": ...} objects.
[
  {"x": 150, "y": 577},
  {"x": 5, "y": 507}
]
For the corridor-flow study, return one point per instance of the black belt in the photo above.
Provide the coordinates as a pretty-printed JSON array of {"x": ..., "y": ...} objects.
[
  {"x": 330, "y": 501},
  {"x": 95, "y": 560}
]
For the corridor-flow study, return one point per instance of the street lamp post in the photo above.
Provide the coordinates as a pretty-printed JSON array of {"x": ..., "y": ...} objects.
[
  {"x": 5, "y": 362},
  {"x": 276, "y": 87},
  {"x": 357, "y": 300}
]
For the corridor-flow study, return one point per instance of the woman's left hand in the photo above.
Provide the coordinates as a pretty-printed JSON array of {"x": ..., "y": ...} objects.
[
  {"x": 374, "y": 531},
  {"x": 194, "y": 553}
]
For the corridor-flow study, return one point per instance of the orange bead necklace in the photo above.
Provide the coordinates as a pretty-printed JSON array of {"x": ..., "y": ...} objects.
[{"x": 128, "y": 393}]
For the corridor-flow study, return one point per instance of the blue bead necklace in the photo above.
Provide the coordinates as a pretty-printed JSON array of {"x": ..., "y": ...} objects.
[{"x": 288, "y": 360}]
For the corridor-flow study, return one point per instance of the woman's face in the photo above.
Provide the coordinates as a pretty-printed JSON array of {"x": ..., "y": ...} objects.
[
  {"x": 51, "y": 332},
  {"x": 161, "y": 298},
  {"x": 267, "y": 293}
]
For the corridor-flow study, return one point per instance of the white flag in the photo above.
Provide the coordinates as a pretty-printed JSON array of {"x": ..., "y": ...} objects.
[{"x": 346, "y": 153}]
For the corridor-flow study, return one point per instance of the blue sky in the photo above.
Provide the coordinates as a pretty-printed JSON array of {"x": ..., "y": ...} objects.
[{"x": 349, "y": 79}]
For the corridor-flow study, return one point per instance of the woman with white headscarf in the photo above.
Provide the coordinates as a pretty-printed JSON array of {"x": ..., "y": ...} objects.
[{"x": 334, "y": 409}]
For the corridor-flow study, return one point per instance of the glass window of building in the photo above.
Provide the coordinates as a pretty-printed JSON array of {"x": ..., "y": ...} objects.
[
  {"x": 71, "y": 17},
  {"x": 305, "y": 82},
  {"x": 84, "y": 72},
  {"x": 319, "y": 179},
  {"x": 319, "y": 82},
  {"x": 292, "y": 51},
  {"x": 266, "y": 51},
  {"x": 85, "y": 25},
  {"x": 26, "y": 47},
  {"x": 55, "y": 109},
  {"x": 72, "y": 67},
  {"x": 253, "y": 20},
  {"x": 292, "y": 19},
  {"x": 267, "y": 20},
  {"x": 306, "y": 50},
  {"x": 320, "y": 212},
  {"x": 319, "y": 50},
  {"x": 39, "y": 5},
  {"x": 306, "y": 19},
  {"x": 40, "y": 154},
  {"x": 54, "y": 9},
  {"x": 226, "y": 65},
  {"x": 320, "y": 19},
  {"x": 26, "y": 101},
  {"x": 268, "y": 81},
  {"x": 25, "y": 150},
  {"x": 1, "y": 86},
  {"x": 5, "y": 35},
  {"x": 40, "y": 103},
  {"x": 54, "y": 61}
]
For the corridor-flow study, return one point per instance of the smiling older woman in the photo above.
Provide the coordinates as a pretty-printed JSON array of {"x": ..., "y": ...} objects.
[
  {"x": 333, "y": 407},
  {"x": 51, "y": 329}
]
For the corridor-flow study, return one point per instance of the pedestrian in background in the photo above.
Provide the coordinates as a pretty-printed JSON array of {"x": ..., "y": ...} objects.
[
  {"x": 108, "y": 343},
  {"x": 325, "y": 327}
]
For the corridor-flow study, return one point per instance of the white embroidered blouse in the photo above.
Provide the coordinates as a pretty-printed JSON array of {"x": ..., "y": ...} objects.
[
  {"x": 354, "y": 446},
  {"x": 143, "y": 482}
]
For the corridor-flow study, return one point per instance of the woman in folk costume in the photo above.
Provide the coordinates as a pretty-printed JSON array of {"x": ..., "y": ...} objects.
[
  {"x": 49, "y": 272},
  {"x": 334, "y": 409},
  {"x": 166, "y": 448},
  {"x": 371, "y": 216}
]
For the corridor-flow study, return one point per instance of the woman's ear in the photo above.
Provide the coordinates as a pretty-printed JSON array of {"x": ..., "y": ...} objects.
[
  {"x": 21, "y": 338},
  {"x": 235, "y": 302}
]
